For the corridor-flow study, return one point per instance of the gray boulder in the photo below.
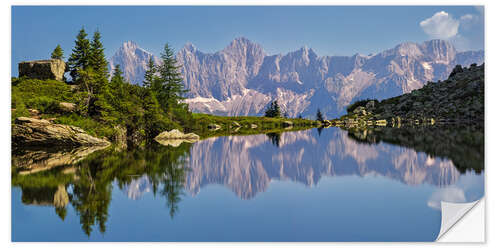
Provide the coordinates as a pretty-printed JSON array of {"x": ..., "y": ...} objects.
[
  {"x": 38, "y": 132},
  {"x": 176, "y": 134},
  {"x": 43, "y": 69}
]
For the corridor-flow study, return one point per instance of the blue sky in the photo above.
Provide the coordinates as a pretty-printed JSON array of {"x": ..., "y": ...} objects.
[{"x": 329, "y": 30}]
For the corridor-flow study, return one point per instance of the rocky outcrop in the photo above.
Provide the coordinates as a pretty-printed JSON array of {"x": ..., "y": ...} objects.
[
  {"x": 175, "y": 137},
  {"x": 460, "y": 98},
  {"x": 43, "y": 69},
  {"x": 38, "y": 132}
]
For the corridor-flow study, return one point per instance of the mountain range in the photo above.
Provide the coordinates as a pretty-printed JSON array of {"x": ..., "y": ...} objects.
[{"x": 242, "y": 79}]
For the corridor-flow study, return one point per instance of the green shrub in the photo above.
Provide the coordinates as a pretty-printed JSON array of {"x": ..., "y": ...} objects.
[
  {"x": 88, "y": 124},
  {"x": 43, "y": 104},
  {"x": 31, "y": 88}
]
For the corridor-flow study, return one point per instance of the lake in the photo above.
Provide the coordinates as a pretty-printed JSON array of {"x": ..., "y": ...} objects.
[{"x": 323, "y": 184}]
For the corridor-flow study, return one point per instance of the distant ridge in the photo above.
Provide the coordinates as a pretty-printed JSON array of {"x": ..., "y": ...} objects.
[{"x": 242, "y": 79}]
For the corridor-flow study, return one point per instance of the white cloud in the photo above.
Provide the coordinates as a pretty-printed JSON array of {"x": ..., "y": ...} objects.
[
  {"x": 441, "y": 25},
  {"x": 448, "y": 194},
  {"x": 468, "y": 20}
]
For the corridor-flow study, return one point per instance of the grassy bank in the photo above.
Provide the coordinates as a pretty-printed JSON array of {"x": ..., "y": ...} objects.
[
  {"x": 246, "y": 125},
  {"x": 41, "y": 99}
]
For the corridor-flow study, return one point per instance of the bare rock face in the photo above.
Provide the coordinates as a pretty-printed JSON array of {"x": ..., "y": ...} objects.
[
  {"x": 34, "y": 132},
  {"x": 43, "y": 69},
  {"x": 133, "y": 61}
]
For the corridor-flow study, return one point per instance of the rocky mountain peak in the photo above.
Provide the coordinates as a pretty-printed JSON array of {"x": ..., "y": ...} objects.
[
  {"x": 441, "y": 50},
  {"x": 133, "y": 61},
  {"x": 243, "y": 45},
  {"x": 189, "y": 47},
  {"x": 129, "y": 45}
]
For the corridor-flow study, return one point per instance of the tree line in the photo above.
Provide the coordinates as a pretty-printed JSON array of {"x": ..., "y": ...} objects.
[{"x": 144, "y": 110}]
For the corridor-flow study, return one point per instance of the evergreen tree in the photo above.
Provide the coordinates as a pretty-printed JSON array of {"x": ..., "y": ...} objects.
[
  {"x": 98, "y": 60},
  {"x": 86, "y": 81},
  {"x": 58, "y": 53},
  {"x": 319, "y": 116},
  {"x": 273, "y": 110},
  {"x": 172, "y": 89},
  {"x": 80, "y": 56},
  {"x": 155, "y": 121},
  {"x": 149, "y": 75},
  {"x": 117, "y": 75}
]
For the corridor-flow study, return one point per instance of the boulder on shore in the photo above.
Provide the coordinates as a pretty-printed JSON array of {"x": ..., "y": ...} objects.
[
  {"x": 38, "y": 132},
  {"x": 175, "y": 137}
]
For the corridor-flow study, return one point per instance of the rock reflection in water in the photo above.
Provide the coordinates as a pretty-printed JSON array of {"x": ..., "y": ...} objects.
[
  {"x": 244, "y": 164},
  {"x": 32, "y": 160}
]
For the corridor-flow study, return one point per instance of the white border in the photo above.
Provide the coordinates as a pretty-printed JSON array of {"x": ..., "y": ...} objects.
[{"x": 491, "y": 139}]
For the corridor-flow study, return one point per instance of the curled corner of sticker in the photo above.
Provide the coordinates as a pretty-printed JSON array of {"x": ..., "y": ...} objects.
[{"x": 451, "y": 213}]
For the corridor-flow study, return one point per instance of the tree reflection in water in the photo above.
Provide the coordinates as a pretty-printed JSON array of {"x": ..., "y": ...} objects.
[
  {"x": 91, "y": 181},
  {"x": 275, "y": 138}
]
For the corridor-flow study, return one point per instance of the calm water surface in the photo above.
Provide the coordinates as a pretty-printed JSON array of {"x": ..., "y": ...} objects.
[{"x": 313, "y": 185}]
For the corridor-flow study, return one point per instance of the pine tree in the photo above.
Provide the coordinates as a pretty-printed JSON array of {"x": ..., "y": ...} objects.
[
  {"x": 80, "y": 56},
  {"x": 149, "y": 75},
  {"x": 172, "y": 89},
  {"x": 98, "y": 60},
  {"x": 273, "y": 110},
  {"x": 117, "y": 75},
  {"x": 155, "y": 122},
  {"x": 319, "y": 116},
  {"x": 86, "y": 81},
  {"x": 58, "y": 53}
]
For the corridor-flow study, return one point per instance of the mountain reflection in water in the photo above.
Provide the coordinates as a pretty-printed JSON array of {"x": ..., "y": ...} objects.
[{"x": 247, "y": 164}]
